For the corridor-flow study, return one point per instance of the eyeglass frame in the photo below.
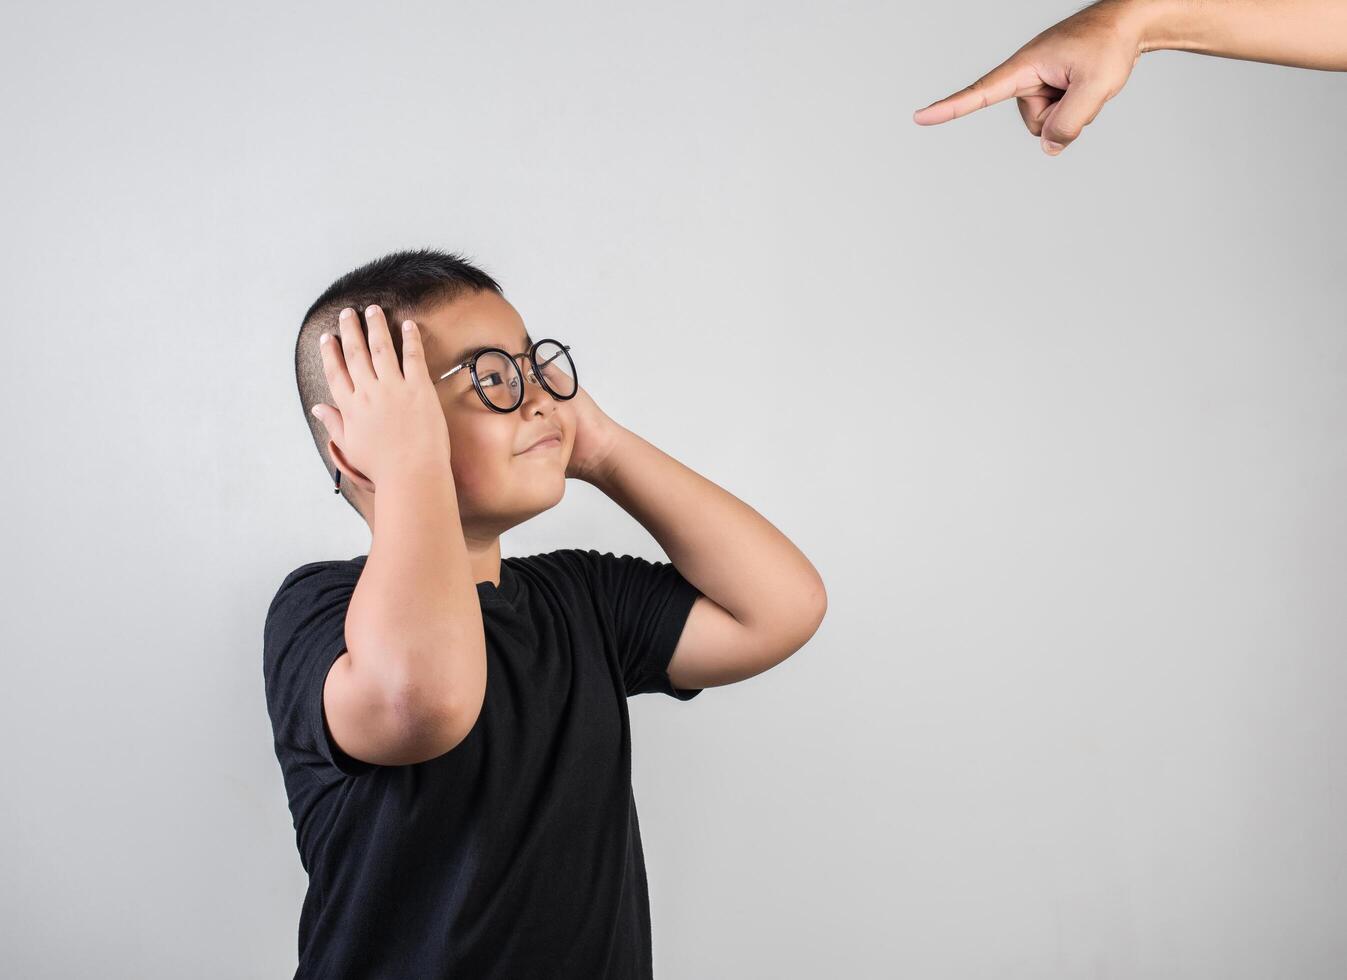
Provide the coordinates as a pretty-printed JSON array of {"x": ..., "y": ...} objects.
[{"x": 535, "y": 373}]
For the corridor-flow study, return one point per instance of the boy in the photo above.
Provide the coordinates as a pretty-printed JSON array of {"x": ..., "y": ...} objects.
[{"x": 452, "y": 726}]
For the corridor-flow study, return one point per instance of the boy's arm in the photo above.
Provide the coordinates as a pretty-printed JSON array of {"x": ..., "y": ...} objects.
[{"x": 761, "y": 598}]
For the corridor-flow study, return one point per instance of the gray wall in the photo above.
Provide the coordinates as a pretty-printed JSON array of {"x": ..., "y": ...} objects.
[{"x": 1063, "y": 436}]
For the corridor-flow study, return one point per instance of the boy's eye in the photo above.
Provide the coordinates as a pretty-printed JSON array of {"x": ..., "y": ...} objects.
[{"x": 493, "y": 378}]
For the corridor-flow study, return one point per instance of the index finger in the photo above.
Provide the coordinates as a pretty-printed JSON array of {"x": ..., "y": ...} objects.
[{"x": 1001, "y": 83}]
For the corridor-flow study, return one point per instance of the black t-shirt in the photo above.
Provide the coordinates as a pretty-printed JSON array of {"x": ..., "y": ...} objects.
[{"x": 517, "y": 853}]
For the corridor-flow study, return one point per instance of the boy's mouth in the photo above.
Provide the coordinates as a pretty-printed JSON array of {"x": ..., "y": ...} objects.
[
  {"x": 551, "y": 437},
  {"x": 551, "y": 442}
]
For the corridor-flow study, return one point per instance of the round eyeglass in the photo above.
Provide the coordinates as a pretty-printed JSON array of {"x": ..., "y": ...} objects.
[{"x": 499, "y": 383}]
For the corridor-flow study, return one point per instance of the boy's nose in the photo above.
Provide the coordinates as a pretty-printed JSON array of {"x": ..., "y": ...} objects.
[{"x": 527, "y": 373}]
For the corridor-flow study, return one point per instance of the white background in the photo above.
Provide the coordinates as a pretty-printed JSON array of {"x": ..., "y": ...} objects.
[{"x": 1064, "y": 437}]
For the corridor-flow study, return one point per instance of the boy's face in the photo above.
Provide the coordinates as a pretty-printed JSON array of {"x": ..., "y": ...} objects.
[{"x": 499, "y": 484}]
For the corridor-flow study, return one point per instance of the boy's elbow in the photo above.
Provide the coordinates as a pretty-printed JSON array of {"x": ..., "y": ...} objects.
[
  {"x": 812, "y": 608},
  {"x": 433, "y": 723},
  {"x": 817, "y": 603}
]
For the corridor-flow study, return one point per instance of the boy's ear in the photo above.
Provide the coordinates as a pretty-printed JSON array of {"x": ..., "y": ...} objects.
[{"x": 348, "y": 472}]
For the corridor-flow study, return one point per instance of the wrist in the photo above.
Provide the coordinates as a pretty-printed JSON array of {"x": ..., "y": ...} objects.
[
  {"x": 600, "y": 474},
  {"x": 422, "y": 471},
  {"x": 1158, "y": 25}
]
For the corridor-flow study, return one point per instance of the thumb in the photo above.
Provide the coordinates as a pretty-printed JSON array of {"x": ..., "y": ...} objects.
[
  {"x": 1072, "y": 113},
  {"x": 331, "y": 420}
]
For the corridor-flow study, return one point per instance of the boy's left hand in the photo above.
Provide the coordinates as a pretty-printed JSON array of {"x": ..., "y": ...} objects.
[{"x": 595, "y": 436}]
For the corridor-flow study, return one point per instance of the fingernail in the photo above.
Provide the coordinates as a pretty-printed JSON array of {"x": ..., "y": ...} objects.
[
  {"x": 1051, "y": 148},
  {"x": 369, "y": 311},
  {"x": 346, "y": 313},
  {"x": 324, "y": 338},
  {"x": 407, "y": 325},
  {"x": 314, "y": 412}
]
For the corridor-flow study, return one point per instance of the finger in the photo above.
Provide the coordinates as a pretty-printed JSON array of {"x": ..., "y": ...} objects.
[
  {"x": 381, "y": 353},
  {"x": 413, "y": 353},
  {"x": 1002, "y": 82},
  {"x": 354, "y": 351},
  {"x": 1032, "y": 110},
  {"x": 334, "y": 368},
  {"x": 1077, "y": 108},
  {"x": 332, "y": 422}
]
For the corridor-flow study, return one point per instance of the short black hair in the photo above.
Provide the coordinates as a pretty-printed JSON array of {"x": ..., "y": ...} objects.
[{"x": 403, "y": 284}]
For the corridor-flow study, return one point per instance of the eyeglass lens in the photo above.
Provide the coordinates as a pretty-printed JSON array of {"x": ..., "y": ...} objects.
[{"x": 500, "y": 380}]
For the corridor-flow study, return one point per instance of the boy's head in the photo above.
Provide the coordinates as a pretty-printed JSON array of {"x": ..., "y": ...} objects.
[{"x": 458, "y": 308}]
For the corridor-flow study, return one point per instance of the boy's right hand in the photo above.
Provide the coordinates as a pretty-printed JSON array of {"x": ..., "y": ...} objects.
[{"x": 387, "y": 418}]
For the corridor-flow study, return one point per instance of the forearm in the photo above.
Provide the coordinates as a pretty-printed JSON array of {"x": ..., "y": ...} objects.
[
  {"x": 1302, "y": 33},
  {"x": 720, "y": 544},
  {"x": 414, "y": 622}
]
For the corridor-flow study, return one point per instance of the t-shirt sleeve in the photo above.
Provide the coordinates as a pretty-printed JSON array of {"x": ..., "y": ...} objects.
[
  {"x": 647, "y": 604},
  {"x": 305, "y": 633}
]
